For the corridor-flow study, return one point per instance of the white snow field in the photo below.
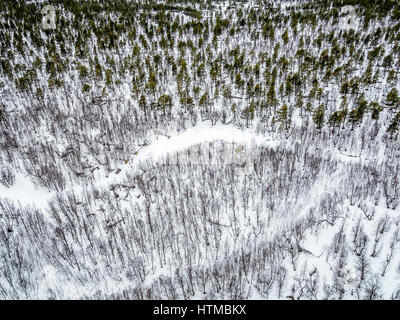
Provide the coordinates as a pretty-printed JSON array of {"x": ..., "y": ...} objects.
[{"x": 26, "y": 193}]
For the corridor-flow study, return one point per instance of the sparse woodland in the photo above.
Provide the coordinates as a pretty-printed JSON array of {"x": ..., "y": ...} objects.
[{"x": 315, "y": 215}]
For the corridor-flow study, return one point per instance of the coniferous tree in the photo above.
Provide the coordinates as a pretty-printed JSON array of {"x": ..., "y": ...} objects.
[
  {"x": 394, "y": 125},
  {"x": 143, "y": 103},
  {"x": 319, "y": 116},
  {"x": 283, "y": 117}
]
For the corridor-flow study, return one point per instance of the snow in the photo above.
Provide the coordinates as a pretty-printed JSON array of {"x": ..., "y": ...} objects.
[
  {"x": 159, "y": 146},
  {"x": 26, "y": 193},
  {"x": 200, "y": 134}
]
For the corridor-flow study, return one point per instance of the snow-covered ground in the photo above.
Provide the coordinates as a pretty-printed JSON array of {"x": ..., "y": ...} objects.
[
  {"x": 316, "y": 245},
  {"x": 25, "y": 192}
]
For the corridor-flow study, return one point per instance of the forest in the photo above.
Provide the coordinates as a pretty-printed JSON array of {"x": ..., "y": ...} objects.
[{"x": 185, "y": 149}]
